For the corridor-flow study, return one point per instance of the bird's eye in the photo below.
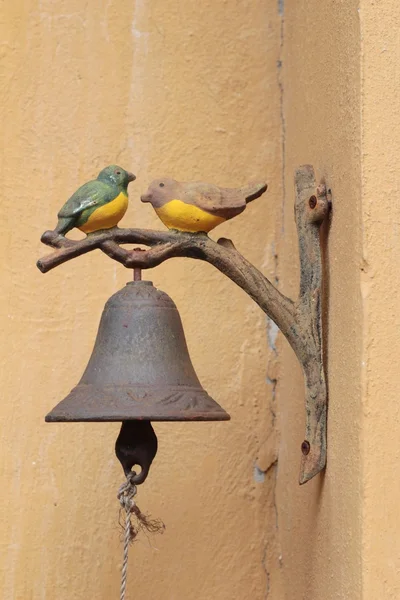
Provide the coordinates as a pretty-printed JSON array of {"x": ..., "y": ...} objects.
[
  {"x": 118, "y": 172},
  {"x": 162, "y": 184}
]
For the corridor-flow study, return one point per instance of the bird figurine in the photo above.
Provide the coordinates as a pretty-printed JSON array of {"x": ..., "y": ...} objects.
[
  {"x": 98, "y": 204},
  {"x": 198, "y": 206}
]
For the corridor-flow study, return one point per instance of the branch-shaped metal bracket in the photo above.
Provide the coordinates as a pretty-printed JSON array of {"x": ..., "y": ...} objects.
[{"x": 299, "y": 321}]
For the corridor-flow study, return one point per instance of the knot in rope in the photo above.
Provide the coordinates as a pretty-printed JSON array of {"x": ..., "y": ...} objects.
[{"x": 126, "y": 494}]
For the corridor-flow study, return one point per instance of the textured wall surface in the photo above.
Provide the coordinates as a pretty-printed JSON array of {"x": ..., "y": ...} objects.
[
  {"x": 320, "y": 523},
  {"x": 225, "y": 92},
  {"x": 380, "y": 277},
  {"x": 339, "y": 535},
  {"x": 187, "y": 89}
]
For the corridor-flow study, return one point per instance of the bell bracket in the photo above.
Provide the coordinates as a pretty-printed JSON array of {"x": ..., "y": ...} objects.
[{"x": 300, "y": 321}]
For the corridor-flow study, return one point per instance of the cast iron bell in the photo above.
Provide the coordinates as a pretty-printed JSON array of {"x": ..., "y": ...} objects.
[
  {"x": 139, "y": 370},
  {"x": 140, "y": 366}
]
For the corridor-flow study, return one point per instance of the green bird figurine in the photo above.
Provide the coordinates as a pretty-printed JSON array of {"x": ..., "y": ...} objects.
[{"x": 98, "y": 204}]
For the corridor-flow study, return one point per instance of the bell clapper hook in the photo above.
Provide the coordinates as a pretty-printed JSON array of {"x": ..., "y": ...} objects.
[{"x": 136, "y": 445}]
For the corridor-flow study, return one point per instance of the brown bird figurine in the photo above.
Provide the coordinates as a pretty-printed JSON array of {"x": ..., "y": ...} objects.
[{"x": 198, "y": 206}]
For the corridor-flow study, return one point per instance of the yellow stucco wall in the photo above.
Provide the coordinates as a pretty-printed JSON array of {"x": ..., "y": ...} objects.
[
  {"x": 320, "y": 523},
  {"x": 225, "y": 92},
  {"x": 187, "y": 89},
  {"x": 380, "y": 288},
  {"x": 339, "y": 535}
]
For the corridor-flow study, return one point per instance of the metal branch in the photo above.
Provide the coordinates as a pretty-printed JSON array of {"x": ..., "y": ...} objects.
[
  {"x": 171, "y": 244},
  {"x": 147, "y": 259},
  {"x": 311, "y": 208},
  {"x": 67, "y": 249},
  {"x": 299, "y": 321}
]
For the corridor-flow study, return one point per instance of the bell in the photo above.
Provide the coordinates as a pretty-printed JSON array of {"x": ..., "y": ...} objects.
[
  {"x": 139, "y": 371},
  {"x": 140, "y": 368}
]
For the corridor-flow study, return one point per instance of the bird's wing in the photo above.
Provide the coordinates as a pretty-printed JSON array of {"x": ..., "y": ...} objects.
[
  {"x": 225, "y": 202},
  {"x": 213, "y": 199},
  {"x": 89, "y": 195}
]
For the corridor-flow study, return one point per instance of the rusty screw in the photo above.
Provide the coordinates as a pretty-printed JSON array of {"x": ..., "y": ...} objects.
[
  {"x": 312, "y": 202},
  {"x": 305, "y": 447}
]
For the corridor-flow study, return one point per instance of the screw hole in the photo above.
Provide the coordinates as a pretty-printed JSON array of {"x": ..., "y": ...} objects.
[{"x": 312, "y": 202}]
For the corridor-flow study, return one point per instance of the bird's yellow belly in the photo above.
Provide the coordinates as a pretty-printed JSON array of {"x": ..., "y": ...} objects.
[
  {"x": 176, "y": 214},
  {"x": 106, "y": 216}
]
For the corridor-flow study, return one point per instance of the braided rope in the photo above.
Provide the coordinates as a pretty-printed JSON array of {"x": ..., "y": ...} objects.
[{"x": 126, "y": 494}]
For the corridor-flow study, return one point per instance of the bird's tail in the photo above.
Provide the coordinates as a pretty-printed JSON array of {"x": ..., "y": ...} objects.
[
  {"x": 253, "y": 191},
  {"x": 63, "y": 225}
]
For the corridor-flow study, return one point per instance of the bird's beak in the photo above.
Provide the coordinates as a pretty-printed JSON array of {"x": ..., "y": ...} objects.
[
  {"x": 131, "y": 177},
  {"x": 145, "y": 197}
]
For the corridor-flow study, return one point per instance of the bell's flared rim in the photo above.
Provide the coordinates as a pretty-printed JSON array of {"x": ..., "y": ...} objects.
[{"x": 88, "y": 402}]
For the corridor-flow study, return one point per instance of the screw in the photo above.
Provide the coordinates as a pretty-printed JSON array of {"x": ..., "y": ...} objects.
[
  {"x": 305, "y": 447},
  {"x": 312, "y": 202}
]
